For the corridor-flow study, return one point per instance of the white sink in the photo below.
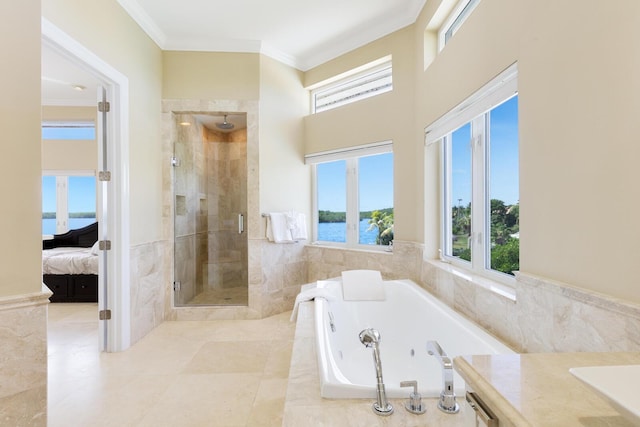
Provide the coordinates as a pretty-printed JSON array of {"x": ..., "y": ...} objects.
[{"x": 619, "y": 385}]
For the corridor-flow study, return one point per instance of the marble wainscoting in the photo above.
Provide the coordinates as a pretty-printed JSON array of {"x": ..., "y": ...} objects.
[
  {"x": 404, "y": 262},
  {"x": 148, "y": 291},
  {"x": 284, "y": 270},
  {"x": 538, "y": 315},
  {"x": 23, "y": 371}
]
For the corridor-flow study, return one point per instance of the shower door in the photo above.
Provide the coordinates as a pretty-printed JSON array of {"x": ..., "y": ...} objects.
[{"x": 210, "y": 205}]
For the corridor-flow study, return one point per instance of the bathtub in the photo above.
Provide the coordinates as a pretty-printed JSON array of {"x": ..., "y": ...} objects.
[{"x": 407, "y": 318}]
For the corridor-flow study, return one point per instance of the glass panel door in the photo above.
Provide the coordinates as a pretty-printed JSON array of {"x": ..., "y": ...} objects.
[{"x": 210, "y": 209}]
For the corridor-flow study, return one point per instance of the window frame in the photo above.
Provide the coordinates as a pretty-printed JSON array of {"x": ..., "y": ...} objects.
[
  {"x": 62, "y": 195},
  {"x": 335, "y": 83},
  {"x": 475, "y": 111},
  {"x": 351, "y": 156},
  {"x": 455, "y": 20}
]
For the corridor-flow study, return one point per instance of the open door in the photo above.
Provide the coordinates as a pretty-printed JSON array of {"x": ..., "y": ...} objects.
[{"x": 102, "y": 213}]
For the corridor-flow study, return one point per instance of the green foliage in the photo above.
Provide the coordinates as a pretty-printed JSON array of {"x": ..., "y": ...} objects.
[
  {"x": 382, "y": 222},
  {"x": 506, "y": 257},
  {"x": 329, "y": 216},
  {"x": 505, "y": 223},
  {"x": 52, "y": 215}
]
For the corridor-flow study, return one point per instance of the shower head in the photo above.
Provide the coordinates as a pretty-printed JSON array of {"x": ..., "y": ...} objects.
[
  {"x": 369, "y": 337},
  {"x": 224, "y": 125}
]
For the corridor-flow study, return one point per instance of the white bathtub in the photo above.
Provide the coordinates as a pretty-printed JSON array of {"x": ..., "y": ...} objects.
[{"x": 406, "y": 320}]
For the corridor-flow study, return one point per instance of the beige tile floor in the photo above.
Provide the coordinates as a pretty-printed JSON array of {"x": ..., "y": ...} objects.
[{"x": 188, "y": 373}]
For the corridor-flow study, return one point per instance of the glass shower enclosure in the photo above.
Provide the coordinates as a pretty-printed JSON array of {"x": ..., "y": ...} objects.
[{"x": 210, "y": 208}]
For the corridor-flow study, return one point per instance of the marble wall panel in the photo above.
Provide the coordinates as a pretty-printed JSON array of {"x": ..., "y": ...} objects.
[
  {"x": 23, "y": 371},
  {"x": 147, "y": 288}
]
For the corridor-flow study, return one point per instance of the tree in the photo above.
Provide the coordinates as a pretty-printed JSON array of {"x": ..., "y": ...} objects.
[{"x": 383, "y": 222}]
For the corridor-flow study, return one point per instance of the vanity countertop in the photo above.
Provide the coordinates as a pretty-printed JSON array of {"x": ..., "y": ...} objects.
[{"x": 538, "y": 390}]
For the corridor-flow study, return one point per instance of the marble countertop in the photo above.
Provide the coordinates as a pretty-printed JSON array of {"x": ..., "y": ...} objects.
[{"x": 537, "y": 389}]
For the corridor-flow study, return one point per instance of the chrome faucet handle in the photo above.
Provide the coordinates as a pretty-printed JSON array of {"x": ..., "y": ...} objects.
[{"x": 414, "y": 404}]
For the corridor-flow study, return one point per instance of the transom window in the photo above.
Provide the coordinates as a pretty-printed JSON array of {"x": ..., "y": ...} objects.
[
  {"x": 75, "y": 130},
  {"x": 480, "y": 179},
  {"x": 354, "y": 196},
  {"x": 364, "y": 82},
  {"x": 455, "y": 20}
]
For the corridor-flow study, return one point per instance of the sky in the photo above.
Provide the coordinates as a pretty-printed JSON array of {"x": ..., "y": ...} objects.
[
  {"x": 375, "y": 177},
  {"x": 82, "y": 194},
  {"x": 504, "y": 174}
]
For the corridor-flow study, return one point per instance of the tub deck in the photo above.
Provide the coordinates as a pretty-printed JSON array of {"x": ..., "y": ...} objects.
[{"x": 305, "y": 407}]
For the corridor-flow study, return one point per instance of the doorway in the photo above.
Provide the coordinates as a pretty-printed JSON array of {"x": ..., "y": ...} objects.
[{"x": 112, "y": 206}]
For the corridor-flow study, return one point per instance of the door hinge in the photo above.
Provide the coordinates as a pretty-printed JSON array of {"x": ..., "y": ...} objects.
[
  {"x": 175, "y": 161},
  {"x": 104, "y": 107},
  {"x": 104, "y": 176},
  {"x": 176, "y": 286},
  {"x": 104, "y": 314},
  {"x": 104, "y": 245}
]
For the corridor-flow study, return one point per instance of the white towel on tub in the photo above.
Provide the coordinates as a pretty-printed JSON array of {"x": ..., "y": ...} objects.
[
  {"x": 309, "y": 294},
  {"x": 362, "y": 285}
]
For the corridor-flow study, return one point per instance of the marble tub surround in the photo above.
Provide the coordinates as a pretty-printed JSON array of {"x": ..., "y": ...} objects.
[
  {"x": 538, "y": 314},
  {"x": 304, "y": 406},
  {"x": 23, "y": 370},
  {"x": 404, "y": 262},
  {"x": 537, "y": 390}
]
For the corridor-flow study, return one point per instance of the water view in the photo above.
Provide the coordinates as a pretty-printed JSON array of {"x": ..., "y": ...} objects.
[{"x": 336, "y": 232}]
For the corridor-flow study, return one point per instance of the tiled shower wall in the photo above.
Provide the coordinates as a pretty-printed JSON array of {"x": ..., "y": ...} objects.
[{"x": 226, "y": 190}]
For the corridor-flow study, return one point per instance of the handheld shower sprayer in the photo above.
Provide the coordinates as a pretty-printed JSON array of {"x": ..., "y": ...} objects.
[{"x": 371, "y": 339}]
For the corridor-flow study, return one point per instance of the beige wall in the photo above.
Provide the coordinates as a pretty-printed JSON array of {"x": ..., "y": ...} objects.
[
  {"x": 389, "y": 116},
  {"x": 284, "y": 178},
  {"x": 20, "y": 182},
  {"x": 210, "y": 75},
  {"x": 578, "y": 67},
  {"x": 105, "y": 29},
  {"x": 69, "y": 155}
]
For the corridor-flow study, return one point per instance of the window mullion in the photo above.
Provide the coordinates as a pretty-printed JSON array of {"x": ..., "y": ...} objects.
[
  {"x": 353, "y": 212},
  {"x": 478, "y": 194},
  {"x": 62, "y": 208}
]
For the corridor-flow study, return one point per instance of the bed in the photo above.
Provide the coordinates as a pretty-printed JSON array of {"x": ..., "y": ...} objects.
[{"x": 70, "y": 265}]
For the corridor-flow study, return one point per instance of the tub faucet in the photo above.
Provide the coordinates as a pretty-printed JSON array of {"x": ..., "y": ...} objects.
[
  {"x": 447, "y": 401},
  {"x": 371, "y": 338}
]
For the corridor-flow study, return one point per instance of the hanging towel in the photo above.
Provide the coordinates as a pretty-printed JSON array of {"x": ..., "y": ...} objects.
[
  {"x": 278, "y": 230},
  {"x": 309, "y": 294},
  {"x": 298, "y": 225},
  {"x": 362, "y": 285}
]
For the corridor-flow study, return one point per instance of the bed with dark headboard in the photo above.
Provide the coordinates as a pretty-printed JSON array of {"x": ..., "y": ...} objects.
[{"x": 70, "y": 265}]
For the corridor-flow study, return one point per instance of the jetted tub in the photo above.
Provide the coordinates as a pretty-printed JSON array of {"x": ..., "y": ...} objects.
[{"x": 407, "y": 319}]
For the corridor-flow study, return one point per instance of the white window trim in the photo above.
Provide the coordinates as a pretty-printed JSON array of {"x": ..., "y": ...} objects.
[
  {"x": 473, "y": 110},
  {"x": 347, "y": 77},
  {"x": 452, "y": 18},
  {"x": 351, "y": 156}
]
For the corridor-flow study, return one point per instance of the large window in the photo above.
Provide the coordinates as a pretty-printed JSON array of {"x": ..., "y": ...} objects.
[
  {"x": 364, "y": 82},
  {"x": 480, "y": 177},
  {"x": 354, "y": 196},
  {"x": 68, "y": 202}
]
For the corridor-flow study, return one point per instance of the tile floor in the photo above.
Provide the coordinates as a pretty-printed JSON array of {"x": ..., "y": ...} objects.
[{"x": 187, "y": 373}]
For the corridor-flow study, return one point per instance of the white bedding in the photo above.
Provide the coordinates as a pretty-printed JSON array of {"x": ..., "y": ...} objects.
[{"x": 69, "y": 261}]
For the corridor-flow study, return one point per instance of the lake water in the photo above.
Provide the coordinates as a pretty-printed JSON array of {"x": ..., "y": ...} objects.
[{"x": 337, "y": 231}]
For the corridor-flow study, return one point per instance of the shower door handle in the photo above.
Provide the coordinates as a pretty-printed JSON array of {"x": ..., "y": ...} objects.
[{"x": 240, "y": 223}]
